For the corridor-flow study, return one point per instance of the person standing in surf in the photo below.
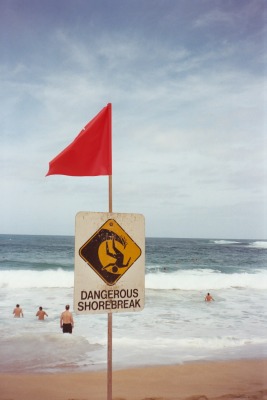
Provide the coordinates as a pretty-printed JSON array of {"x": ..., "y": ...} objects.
[
  {"x": 41, "y": 314},
  {"x": 209, "y": 297},
  {"x": 66, "y": 320},
  {"x": 18, "y": 311}
]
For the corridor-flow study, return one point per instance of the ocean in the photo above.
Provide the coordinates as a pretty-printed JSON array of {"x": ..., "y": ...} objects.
[{"x": 176, "y": 325}]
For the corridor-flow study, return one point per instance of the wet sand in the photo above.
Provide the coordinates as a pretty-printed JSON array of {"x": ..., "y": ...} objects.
[{"x": 246, "y": 379}]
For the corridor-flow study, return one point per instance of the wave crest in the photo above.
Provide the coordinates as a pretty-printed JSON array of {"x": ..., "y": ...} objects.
[
  {"x": 205, "y": 279},
  {"x": 36, "y": 279},
  {"x": 259, "y": 245},
  {"x": 200, "y": 279}
]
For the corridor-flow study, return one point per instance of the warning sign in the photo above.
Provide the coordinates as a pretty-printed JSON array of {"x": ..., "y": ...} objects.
[
  {"x": 109, "y": 262},
  {"x": 110, "y": 252}
]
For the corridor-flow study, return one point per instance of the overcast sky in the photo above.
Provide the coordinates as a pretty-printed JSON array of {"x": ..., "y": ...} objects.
[{"x": 186, "y": 83}]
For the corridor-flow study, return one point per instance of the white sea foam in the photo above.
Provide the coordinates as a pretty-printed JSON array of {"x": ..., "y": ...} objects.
[
  {"x": 36, "y": 279},
  {"x": 205, "y": 278},
  {"x": 179, "y": 280},
  {"x": 175, "y": 326},
  {"x": 225, "y": 241},
  {"x": 215, "y": 343},
  {"x": 259, "y": 244}
]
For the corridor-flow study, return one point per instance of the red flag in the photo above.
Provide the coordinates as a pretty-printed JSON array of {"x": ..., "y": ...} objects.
[{"x": 90, "y": 154}]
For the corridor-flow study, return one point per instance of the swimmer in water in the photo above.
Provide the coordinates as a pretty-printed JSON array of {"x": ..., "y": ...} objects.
[{"x": 209, "y": 297}]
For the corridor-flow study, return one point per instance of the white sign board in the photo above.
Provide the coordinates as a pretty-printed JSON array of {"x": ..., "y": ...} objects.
[{"x": 109, "y": 271}]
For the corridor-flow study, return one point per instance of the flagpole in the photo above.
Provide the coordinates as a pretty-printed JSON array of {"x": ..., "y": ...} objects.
[{"x": 109, "y": 378}]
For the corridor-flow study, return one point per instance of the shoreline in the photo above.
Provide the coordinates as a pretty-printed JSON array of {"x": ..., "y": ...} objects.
[{"x": 240, "y": 379}]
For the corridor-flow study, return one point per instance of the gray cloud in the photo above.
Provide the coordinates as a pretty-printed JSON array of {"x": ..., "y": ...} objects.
[{"x": 188, "y": 123}]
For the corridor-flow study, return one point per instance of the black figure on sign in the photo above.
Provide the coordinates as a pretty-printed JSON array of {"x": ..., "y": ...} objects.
[{"x": 117, "y": 255}]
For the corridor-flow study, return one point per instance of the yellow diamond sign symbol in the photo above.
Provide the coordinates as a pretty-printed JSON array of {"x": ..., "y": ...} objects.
[{"x": 110, "y": 252}]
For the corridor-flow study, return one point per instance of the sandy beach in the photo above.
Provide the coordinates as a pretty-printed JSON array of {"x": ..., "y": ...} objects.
[{"x": 210, "y": 380}]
